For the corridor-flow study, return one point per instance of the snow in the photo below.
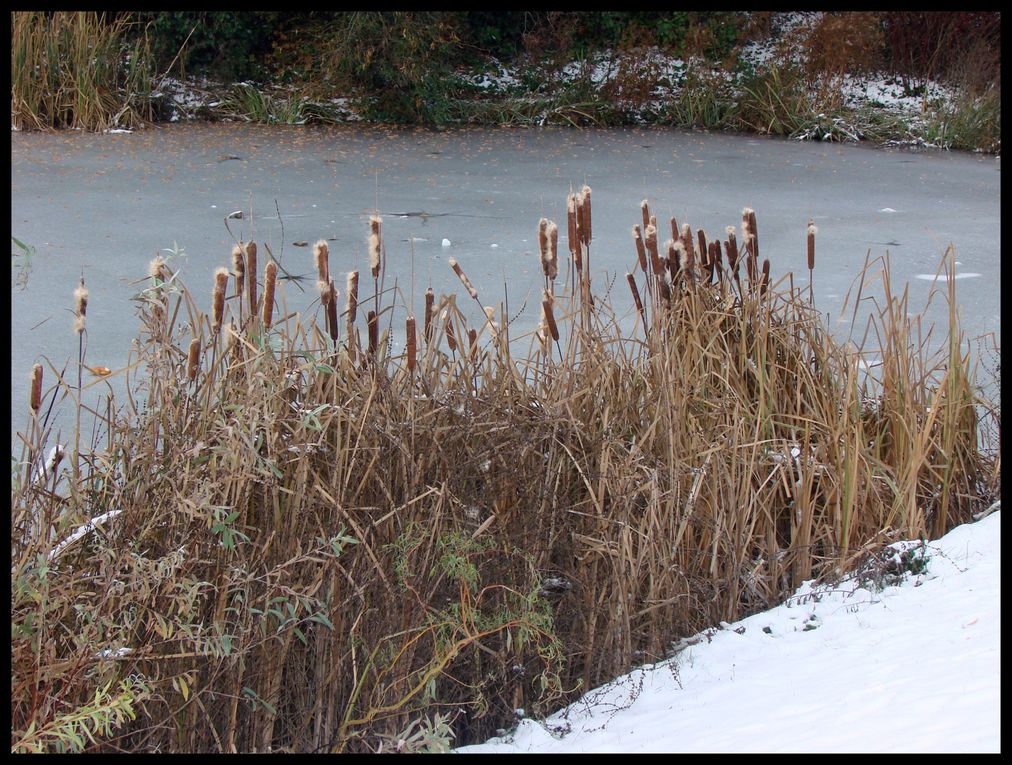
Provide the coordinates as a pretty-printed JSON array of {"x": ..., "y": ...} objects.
[{"x": 912, "y": 664}]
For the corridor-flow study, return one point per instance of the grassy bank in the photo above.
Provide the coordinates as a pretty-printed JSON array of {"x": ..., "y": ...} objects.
[
  {"x": 290, "y": 538},
  {"x": 886, "y": 77}
]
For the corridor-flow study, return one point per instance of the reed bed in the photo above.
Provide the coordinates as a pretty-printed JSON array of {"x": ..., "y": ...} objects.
[
  {"x": 291, "y": 540},
  {"x": 78, "y": 70}
]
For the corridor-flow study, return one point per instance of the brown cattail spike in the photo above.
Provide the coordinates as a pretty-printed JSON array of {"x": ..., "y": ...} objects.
[
  {"x": 351, "y": 307},
  {"x": 645, "y": 210},
  {"x": 35, "y": 400},
  {"x": 372, "y": 322},
  {"x": 571, "y": 218},
  {"x": 430, "y": 298},
  {"x": 543, "y": 244},
  {"x": 193, "y": 360},
  {"x": 270, "y": 282},
  {"x": 409, "y": 328},
  {"x": 641, "y": 252},
  {"x": 585, "y": 229},
  {"x": 636, "y": 297},
  {"x": 451, "y": 338},
  {"x": 764, "y": 280},
  {"x": 546, "y": 307},
  {"x": 812, "y": 231},
  {"x": 651, "y": 244},
  {"x": 332, "y": 313},
  {"x": 472, "y": 341},
  {"x": 251, "y": 269},
  {"x": 553, "y": 251},
  {"x": 218, "y": 297}
]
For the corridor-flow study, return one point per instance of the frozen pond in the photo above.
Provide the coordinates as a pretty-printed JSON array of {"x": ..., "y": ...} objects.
[{"x": 104, "y": 205}]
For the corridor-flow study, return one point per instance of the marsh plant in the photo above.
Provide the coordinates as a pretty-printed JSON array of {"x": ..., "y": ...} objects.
[{"x": 290, "y": 538}]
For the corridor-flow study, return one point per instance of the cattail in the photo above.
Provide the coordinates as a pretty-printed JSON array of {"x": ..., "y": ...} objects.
[
  {"x": 451, "y": 338},
  {"x": 472, "y": 340},
  {"x": 430, "y": 298},
  {"x": 571, "y": 218},
  {"x": 372, "y": 322},
  {"x": 765, "y": 278},
  {"x": 238, "y": 268},
  {"x": 193, "y": 360},
  {"x": 673, "y": 261},
  {"x": 251, "y": 268},
  {"x": 35, "y": 401},
  {"x": 322, "y": 254},
  {"x": 546, "y": 307},
  {"x": 332, "y": 313},
  {"x": 750, "y": 261},
  {"x": 704, "y": 252},
  {"x": 676, "y": 232},
  {"x": 812, "y": 231},
  {"x": 651, "y": 243},
  {"x": 686, "y": 238},
  {"x": 641, "y": 252},
  {"x": 716, "y": 267},
  {"x": 686, "y": 260},
  {"x": 374, "y": 245},
  {"x": 645, "y": 210},
  {"x": 409, "y": 328},
  {"x": 270, "y": 280},
  {"x": 584, "y": 206},
  {"x": 351, "y": 307},
  {"x": 218, "y": 297},
  {"x": 463, "y": 278},
  {"x": 80, "y": 306},
  {"x": 553, "y": 250},
  {"x": 636, "y": 297},
  {"x": 754, "y": 230},
  {"x": 731, "y": 245},
  {"x": 543, "y": 243}
]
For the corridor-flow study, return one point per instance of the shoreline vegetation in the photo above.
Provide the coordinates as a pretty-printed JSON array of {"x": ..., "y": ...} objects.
[
  {"x": 908, "y": 79},
  {"x": 289, "y": 537}
]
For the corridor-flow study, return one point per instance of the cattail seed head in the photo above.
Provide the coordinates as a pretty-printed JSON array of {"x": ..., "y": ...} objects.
[
  {"x": 270, "y": 281},
  {"x": 543, "y": 243},
  {"x": 645, "y": 210},
  {"x": 641, "y": 252},
  {"x": 374, "y": 255},
  {"x": 251, "y": 268},
  {"x": 731, "y": 246},
  {"x": 35, "y": 399},
  {"x": 553, "y": 250},
  {"x": 571, "y": 218},
  {"x": 676, "y": 232},
  {"x": 409, "y": 328},
  {"x": 332, "y": 312},
  {"x": 430, "y": 298},
  {"x": 584, "y": 205},
  {"x": 323, "y": 288},
  {"x": 193, "y": 360},
  {"x": 218, "y": 297},
  {"x": 80, "y": 306},
  {"x": 238, "y": 268},
  {"x": 321, "y": 251},
  {"x": 651, "y": 244},
  {"x": 375, "y": 222},
  {"x": 636, "y": 295},
  {"x": 372, "y": 322},
  {"x": 463, "y": 278},
  {"x": 812, "y": 231},
  {"x": 546, "y": 307},
  {"x": 351, "y": 307},
  {"x": 472, "y": 341},
  {"x": 764, "y": 280},
  {"x": 451, "y": 338}
]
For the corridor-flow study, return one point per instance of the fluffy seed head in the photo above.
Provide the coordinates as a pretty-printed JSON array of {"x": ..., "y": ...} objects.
[
  {"x": 218, "y": 297},
  {"x": 463, "y": 278},
  {"x": 322, "y": 254},
  {"x": 573, "y": 232},
  {"x": 553, "y": 250},
  {"x": 645, "y": 210},
  {"x": 351, "y": 307},
  {"x": 374, "y": 255},
  {"x": 585, "y": 229}
]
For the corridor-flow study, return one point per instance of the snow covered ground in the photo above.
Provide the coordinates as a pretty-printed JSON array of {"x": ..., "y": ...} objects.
[{"x": 887, "y": 662}]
